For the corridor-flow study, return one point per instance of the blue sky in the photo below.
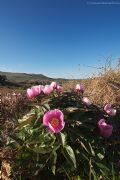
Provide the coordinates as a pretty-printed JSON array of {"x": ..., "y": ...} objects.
[{"x": 52, "y": 37}]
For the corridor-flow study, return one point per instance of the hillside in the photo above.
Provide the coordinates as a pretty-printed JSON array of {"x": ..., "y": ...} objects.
[
  {"x": 20, "y": 77},
  {"x": 24, "y": 80}
]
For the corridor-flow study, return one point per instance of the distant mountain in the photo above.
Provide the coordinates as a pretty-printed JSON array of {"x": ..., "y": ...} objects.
[
  {"x": 20, "y": 77},
  {"x": 28, "y": 78}
]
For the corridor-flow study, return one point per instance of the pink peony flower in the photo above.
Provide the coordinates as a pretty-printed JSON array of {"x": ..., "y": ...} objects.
[
  {"x": 48, "y": 89},
  {"x": 54, "y": 119},
  {"x": 34, "y": 91},
  {"x": 79, "y": 88},
  {"x": 59, "y": 89},
  {"x": 105, "y": 129},
  {"x": 86, "y": 101},
  {"x": 109, "y": 110},
  {"x": 54, "y": 85}
]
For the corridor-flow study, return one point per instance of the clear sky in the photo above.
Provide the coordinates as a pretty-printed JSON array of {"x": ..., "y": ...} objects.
[{"x": 52, "y": 37}]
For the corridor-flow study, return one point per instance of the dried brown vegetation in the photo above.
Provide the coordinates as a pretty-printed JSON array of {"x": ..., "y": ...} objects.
[
  {"x": 105, "y": 89},
  {"x": 102, "y": 89}
]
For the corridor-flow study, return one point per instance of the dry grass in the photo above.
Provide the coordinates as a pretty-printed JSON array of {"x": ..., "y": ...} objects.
[
  {"x": 105, "y": 89},
  {"x": 102, "y": 89}
]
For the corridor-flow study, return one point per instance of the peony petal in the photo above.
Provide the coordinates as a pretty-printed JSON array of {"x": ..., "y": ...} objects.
[
  {"x": 48, "y": 89},
  {"x": 59, "y": 89},
  {"x": 54, "y": 85},
  {"x": 105, "y": 129},
  {"x": 112, "y": 112},
  {"x": 57, "y": 129},
  {"x": 79, "y": 87},
  {"x": 109, "y": 110},
  {"x": 86, "y": 101},
  {"x": 30, "y": 93},
  {"x": 107, "y": 107},
  {"x": 47, "y": 117},
  {"x": 51, "y": 128}
]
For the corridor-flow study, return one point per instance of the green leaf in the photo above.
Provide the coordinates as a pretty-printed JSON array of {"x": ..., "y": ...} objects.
[
  {"x": 84, "y": 147},
  {"x": 69, "y": 155},
  {"x": 26, "y": 120},
  {"x": 102, "y": 166},
  {"x": 53, "y": 160},
  {"x": 41, "y": 150},
  {"x": 92, "y": 151},
  {"x": 46, "y": 106},
  {"x": 16, "y": 139},
  {"x": 113, "y": 171},
  {"x": 101, "y": 156},
  {"x": 62, "y": 139},
  {"x": 78, "y": 178},
  {"x": 94, "y": 174},
  {"x": 71, "y": 110}
]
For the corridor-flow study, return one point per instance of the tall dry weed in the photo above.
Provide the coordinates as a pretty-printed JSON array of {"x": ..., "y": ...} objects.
[{"x": 101, "y": 89}]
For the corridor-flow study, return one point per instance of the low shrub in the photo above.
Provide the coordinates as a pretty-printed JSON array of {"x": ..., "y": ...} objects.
[{"x": 64, "y": 136}]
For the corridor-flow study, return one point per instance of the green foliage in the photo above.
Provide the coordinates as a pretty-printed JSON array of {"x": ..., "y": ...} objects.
[
  {"x": 78, "y": 152},
  {"x": 69, "y": 155}
]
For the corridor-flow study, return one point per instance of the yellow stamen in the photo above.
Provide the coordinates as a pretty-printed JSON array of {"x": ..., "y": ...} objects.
[{"x": 54, "y": 122}]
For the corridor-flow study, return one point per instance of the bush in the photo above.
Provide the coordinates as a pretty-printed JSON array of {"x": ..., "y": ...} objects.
[
  {"x": 61, "y": 137},
  {"x": 3, "y": 79}
]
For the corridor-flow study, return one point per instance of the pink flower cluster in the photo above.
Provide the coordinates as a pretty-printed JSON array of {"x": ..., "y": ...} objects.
[
  {"x": 80, "y": 89},
  {"x": 35, "y": 91},
  {"x": 57, "y": 87},
  {"x": 54, "y": 119},
  {"x": 105, "y": 129}
]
